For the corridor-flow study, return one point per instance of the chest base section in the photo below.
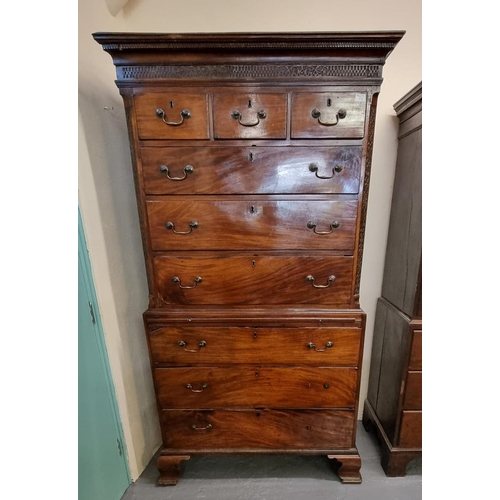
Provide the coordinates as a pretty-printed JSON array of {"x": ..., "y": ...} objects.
[{"x": 256, "y": 381}]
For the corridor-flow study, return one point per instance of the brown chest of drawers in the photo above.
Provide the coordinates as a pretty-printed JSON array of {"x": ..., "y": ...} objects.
[{"x": 252, "y": 157}]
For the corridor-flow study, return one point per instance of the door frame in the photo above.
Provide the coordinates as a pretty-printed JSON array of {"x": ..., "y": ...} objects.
[{"x": 83, "y": 257}]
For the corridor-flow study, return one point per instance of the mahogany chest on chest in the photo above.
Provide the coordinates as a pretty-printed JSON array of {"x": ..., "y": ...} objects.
[{"x": 252, "y": 157}]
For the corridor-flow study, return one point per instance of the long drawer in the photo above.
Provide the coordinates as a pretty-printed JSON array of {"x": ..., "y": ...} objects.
[
  {"x": 413, "y": 391},
  {"x": 253, "y": 278},
  {"x": 251, "y": 170},
  {"x": 410, "y": 433},
  {"x": 256, "y": 223},
  {"x": 254, "y": 430},
  {"x": 416, "y": 351},
  {"x": 184, "y": 345},
  {"x": 256, "y": 386}
]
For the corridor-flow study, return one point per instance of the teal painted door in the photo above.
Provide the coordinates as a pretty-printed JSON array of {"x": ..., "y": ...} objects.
[{"x": 102, "y": 464}]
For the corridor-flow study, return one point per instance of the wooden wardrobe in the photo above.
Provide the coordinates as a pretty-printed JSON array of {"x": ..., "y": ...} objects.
[{"x": 394, "y": 404}]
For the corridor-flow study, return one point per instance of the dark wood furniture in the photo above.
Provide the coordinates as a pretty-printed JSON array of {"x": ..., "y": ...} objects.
[
  {"x": 394, "y": 404},
  {"x": 251, "y": 157}
]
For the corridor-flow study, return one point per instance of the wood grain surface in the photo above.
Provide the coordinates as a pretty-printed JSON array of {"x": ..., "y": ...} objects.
[
  {"x": 263, "y": 345},
  {"x": 150, "y": 126},
  {"x": 304, "y": 125},
  {"x": 410, "y": 435},
  {"x": 416, "y": 351},
  {"x": 253, "y": 278},
  {"x": 256, "y": 386},
  {"x": 413, "y": 391},
  {"x": 256, "y": 429},
  {"x": 249, "y": 125},
  {"x": 252, "y": 170},
  {"x": 238, "y": 223}
]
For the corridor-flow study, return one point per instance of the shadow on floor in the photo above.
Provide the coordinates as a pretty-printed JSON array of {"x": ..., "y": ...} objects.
[{"x": 280, "y": 477}]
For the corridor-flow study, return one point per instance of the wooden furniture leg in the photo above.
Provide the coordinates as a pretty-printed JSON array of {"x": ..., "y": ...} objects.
[
  {"x": 349, "y": 466},
  {"x": 170, "y": 469}
]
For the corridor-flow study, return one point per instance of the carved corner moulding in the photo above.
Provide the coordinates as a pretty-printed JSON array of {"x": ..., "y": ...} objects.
[{"x": 366, "y": 186}]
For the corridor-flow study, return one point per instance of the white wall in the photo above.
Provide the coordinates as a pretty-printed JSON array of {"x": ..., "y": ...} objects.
[{"x": 106, "y": 189}]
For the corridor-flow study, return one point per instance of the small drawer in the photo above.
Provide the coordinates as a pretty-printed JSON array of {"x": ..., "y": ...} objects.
[
  {"x": 251, "y": 170},
  {"x": 327, "y": 115},
  {"x": 253, "y": 278},
  {"x": 416, "y": 351},
  {"x": 250, "y": 387},
  {"x": 190, "y": 345},
  {"x": 266, "y": 430},
  {"x": 413, "y": 391},
  {"x": 172, "y": 115},
  {"x": 249, "y": 116},
  {"x": 232, "y": 223},
  {"x": 410, "y": 434}
]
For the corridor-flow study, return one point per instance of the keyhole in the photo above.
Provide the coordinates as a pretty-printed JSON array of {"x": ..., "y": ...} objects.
[
  {"x": 250, "y": 156},
  {"x": 249, "y": 103},
  {"x": 257, "y": 373},
  {"x": 253, "y": 263},
  {"x": 171, "y": 104},
  {"x": 252, "y": 209},
  {"x": 254, "y": 335},
  {"x": 328, "y": 102}
]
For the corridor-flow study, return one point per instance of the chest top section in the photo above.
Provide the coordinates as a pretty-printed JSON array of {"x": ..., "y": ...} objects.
[{"x": 320, "y": 58}]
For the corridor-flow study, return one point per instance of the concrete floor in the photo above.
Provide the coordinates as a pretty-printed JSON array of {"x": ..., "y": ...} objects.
[{"x": 280, "y": 478}]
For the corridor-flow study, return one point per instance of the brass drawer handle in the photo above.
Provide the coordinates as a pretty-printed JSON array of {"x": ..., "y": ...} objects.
[
  {"x": 192, "y": 225},
  {"x": 185, "y": 113},
  {"x": 188, "y": 169},
  {"x": 316, "y": 113},
  {"x": 260, "y": 115},
  {"x": 177, "y": 281},
  {"x": 203, "y": 387},
  {"x": 336, "y": 169},
  {"x": 311, "y": 279},
  {"x": 207, "y": 428},
  {"x": 201, "y": 344},
  {"x": 333, "y": 225},
  {"x": 328, "y": 345}
]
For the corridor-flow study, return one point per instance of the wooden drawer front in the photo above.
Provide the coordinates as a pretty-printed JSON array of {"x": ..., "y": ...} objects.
[
  {"x": 413, "y": 391},
  {"x": 331, "y": 106},
  {"x": 416, "y": 351},
  {"x": 250, "y": 387},
  {"x": 266, "y": 170},
  {"x": 229, "y": 345},
  {"x": 152, "y": 126},
  {"x": 410, "y": 434},
  {"x": 240, "y": 224},
  {"x": 249, "y": 116},
  {"x": 255, "y": 430},
  {"x": 253, "y": 279}
]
